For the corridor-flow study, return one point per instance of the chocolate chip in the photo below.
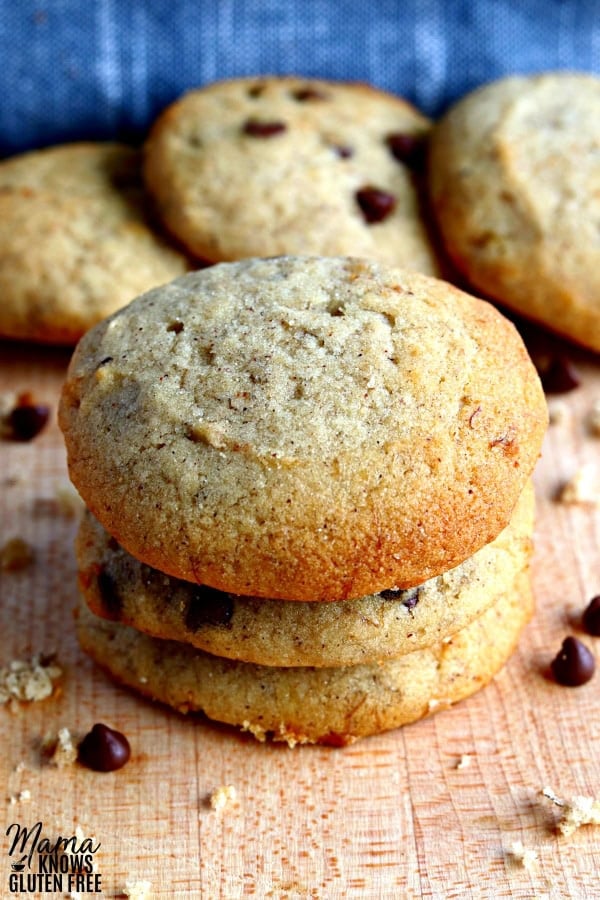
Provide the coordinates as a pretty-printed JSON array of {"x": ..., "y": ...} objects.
[
  {"x": 343, "y": 152},
  {"x": 591, "y": 617},
  {"x": 27, "y": 420},
  {"x": 408, "y": 598},
  {"x": 574, "y": 664},
  {"x": 308, "y": 93},
  {"x": 256, "y": 128},
  {"x": 208, "y": 607},
  {"x": 256, "y": 90},
  {"x": 411, "y": 599},
  {"x": 104, "y": 749},
  {"x": 560, "y": 377},
  {"x": 175, "y": 326},
  {"x": 375, "y": 204},
  {"x": 407, "y": 148},
  {"x": 109, "y": 594}
]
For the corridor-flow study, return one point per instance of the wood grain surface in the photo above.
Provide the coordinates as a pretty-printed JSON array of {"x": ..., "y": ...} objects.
[{"x": 393, "y": 816}]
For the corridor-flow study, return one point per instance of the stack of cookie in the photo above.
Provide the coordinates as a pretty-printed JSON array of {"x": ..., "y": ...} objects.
[{"x": 308, "y": 491}]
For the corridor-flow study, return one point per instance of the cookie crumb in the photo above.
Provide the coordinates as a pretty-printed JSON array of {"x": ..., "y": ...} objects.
[
  {"x": 256, "y": 731},
  {"x": 593, "y": 421},
  {"x": 557, "y": 412},
  {"x": 137, "y": 890},
  {"x": 464, "y": 762},
  {"x": 15, "y": 555},
  {"x": 29, "y": 681},
  {"x": 68, "y": 502},
  {"x": 525, "y": 856},
  {"x": 224, "y": 796},
  {"x": 576, "y": 812},
  {"x": 23, "y": 796},
  {"x": 581, "y": 488},
  {"x": 59, "y": 750}
]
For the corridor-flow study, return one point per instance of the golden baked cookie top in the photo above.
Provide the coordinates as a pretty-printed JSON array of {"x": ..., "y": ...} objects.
[
  {"x": 260, "y": 167},
  {"x": 303, "y": 428},
  {"x": 515, "y": 185},
  {"x": 76, "y": 241}
]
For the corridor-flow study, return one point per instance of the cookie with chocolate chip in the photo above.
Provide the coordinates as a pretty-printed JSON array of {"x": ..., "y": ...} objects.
[
  {"x": 76, "y": 240},
  {"x": 514, "y": 173},
  {"x": 303, "y": 428},
  {"x": 314, "y": 705},
  {"x": 284, "y": 633},
  {"x": 271, "y": 166}
]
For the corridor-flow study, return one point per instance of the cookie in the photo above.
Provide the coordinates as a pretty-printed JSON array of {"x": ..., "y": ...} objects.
[
  {"x": 76, "y": 241},
  {"x": 313, "y": 705},
  {"x": 274, "y": 166},
  {"x": 514, "y": 179},
  {"x": 303, "y": 428},
  {"x": 284, "y": 633}
]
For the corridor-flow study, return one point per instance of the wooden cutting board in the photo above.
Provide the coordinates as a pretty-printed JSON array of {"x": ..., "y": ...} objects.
[{"x": 430, "y": 810}]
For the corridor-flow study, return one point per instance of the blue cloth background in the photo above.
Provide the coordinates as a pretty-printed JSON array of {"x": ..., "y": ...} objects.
[{"x": 73, "y": 69}]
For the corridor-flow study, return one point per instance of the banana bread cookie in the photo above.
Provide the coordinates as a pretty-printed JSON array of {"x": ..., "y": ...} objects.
[
  {"x": 284, "y": 633},
  {"x": 303, "y": 428},
  {"x": 76, "y": 240},
  {"x": 281, "y": 165},
  {"x": 313, "y": 705},
  {"x": 515, "y": 186}
]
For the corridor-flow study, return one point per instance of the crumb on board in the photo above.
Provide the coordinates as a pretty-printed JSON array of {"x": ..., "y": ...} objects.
[
  {"x": 524, "y": 856},
  {"x": 23, "y": 796},
  {"x": 577, "y": 811},
  {"x": 223, "y": 796},
  {"x": 137, "y": 890},
  {"x": 582, "y": 488},
  {"x": 464, "y": 762},
  {"x": 59, "y": 750},
  {"x": 15, "y": 555},
  {"x": 31, "y": 680},
  {"x": 557, "y": 412},
  {"x": 7, "y": 404},
  {"x": 593, "y": 419},
  {"x": 68, "y": 502},
  {"x": 65, "y": 502}
]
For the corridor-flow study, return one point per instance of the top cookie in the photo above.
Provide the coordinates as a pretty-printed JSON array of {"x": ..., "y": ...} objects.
[
  {"x": 75, "y": 240},
  {"x": 269, "y": 166},
  {"x": 303, "y": 428},
  {"x": 515, "y": 185}
]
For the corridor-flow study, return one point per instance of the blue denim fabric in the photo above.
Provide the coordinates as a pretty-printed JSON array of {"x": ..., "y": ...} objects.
[{"x": 71, "y": 69}]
